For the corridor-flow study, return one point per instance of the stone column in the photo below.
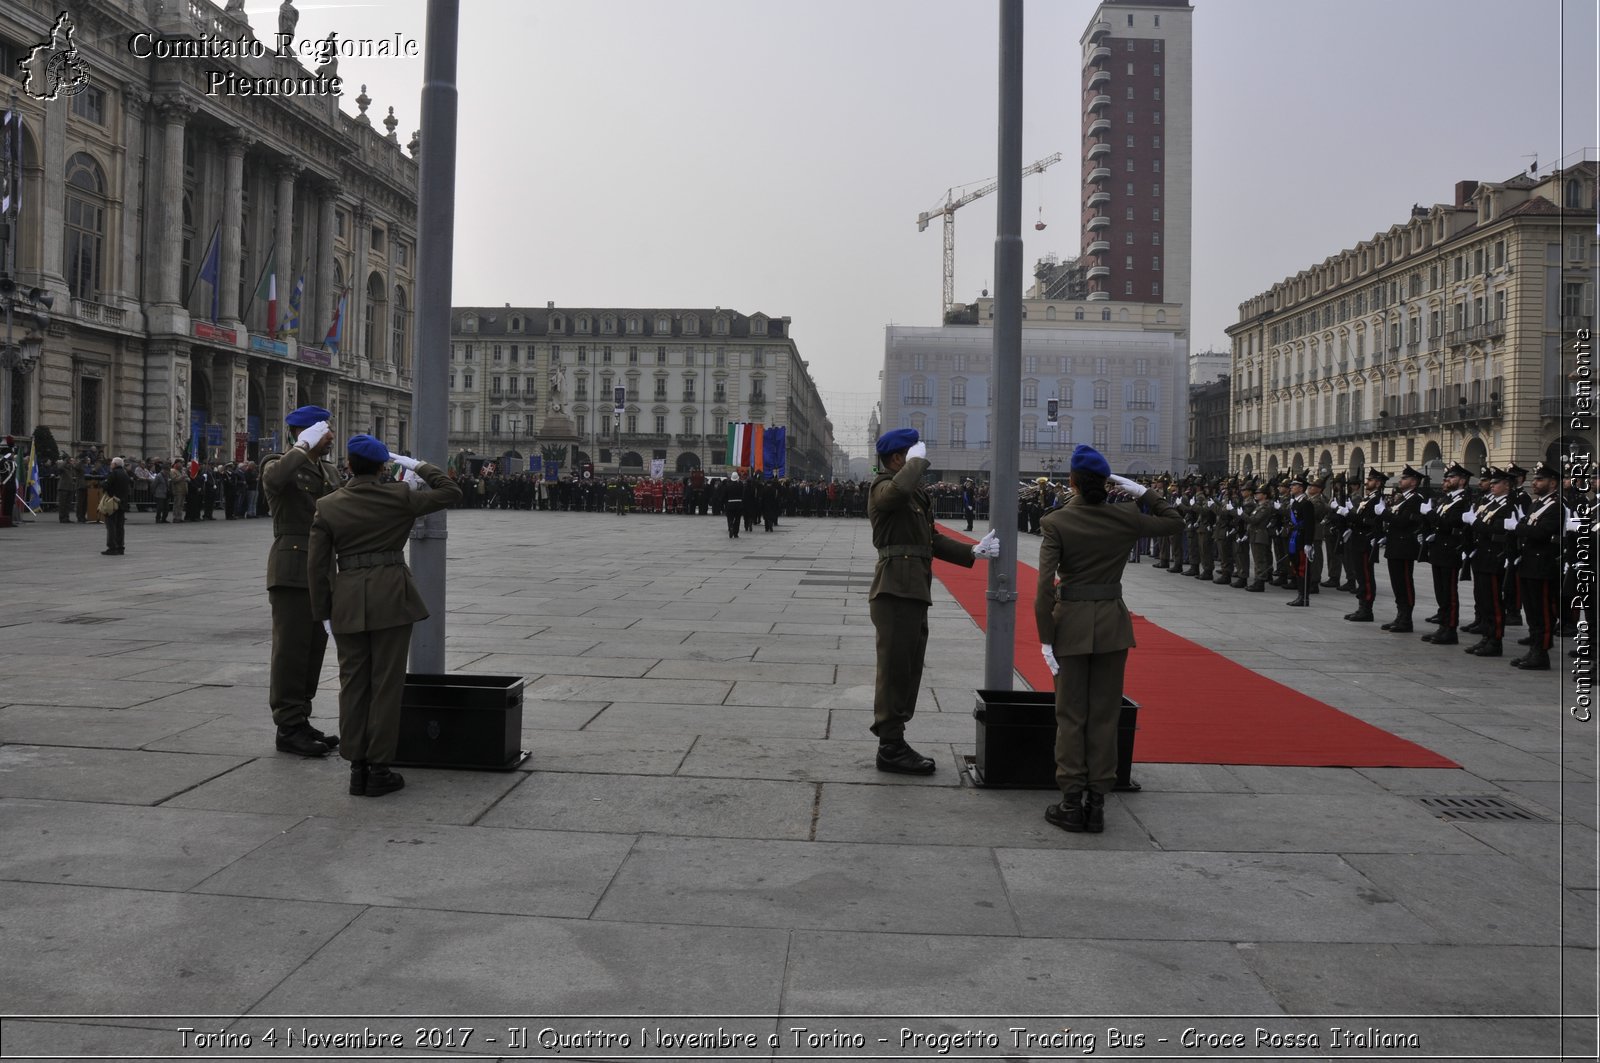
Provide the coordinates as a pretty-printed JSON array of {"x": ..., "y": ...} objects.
[
  {"x": 284, "y": 266},
  {"x": 53, "y": 209},
  {"x": 128, "y": 284},
  {"x": 232, "y": 225},
  {"x": 359, "y": 305},
  {"x": 237, "y": 422},
  {"x": 166, "y": 399},
  {"x": 175, "y": 114},
  {"x": 325, "y": 296}
]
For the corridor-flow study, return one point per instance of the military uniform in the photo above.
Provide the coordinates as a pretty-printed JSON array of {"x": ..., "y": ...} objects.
[
  {"x": 294, "y": 482},
  {"x": 1260, "y": 523},
  {"x": 1401, "y": 527},
  {"x": 1447, "y": 542},
  {"x": 1223, "y": 514},
  {"x": 67, "y": 482},
  {"x": 1539, "y": 536},
  {"x": 901, "y": 593},
  {"x": 359, "y": 580},
  {"x": 1301, "y": 520},
  {"x": 1491, "y": 541},
  {"x": 1361, "y": 550}
]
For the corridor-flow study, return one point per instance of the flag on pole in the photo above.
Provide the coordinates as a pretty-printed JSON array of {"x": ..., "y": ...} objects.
[
  {"x": 775, "y": 451},
  {"x": 336, "y": 330},
  {"x": 268, "y": 290},
  {"x": 35, "y": 498},
  {"x": 10, "y": 162},
  {"x": 745, "y": 446},
  {"x": 291, "y": 318},
  {"x": 210, "y": 269}
]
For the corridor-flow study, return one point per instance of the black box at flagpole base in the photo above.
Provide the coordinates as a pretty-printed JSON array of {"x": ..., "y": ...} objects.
[
  {"x": 1017, "y": 741},
  {"x": 461, "y": 721}
]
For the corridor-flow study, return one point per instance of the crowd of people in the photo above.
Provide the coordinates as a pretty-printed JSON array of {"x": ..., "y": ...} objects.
[{"x": 177, "y": 491}]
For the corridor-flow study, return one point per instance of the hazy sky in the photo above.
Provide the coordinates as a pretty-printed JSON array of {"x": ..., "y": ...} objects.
[{"x": 773, "y": 156}]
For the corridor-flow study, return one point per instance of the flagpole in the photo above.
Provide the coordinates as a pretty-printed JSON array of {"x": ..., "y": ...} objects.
[
  {"x": 196, "y": 279},
  {"x": 266, "y": 264}
]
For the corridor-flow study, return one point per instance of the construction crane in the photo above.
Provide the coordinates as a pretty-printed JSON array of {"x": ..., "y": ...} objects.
[{"x": 951, "y": 205}]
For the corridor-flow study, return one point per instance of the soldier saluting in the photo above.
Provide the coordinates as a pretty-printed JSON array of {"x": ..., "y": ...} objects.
[{"x": 293, "y": 484}]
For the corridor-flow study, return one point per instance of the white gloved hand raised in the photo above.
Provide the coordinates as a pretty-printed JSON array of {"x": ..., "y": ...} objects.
[
  {"x": 314, "y": 435},
  {"x": 1469, "y": 517},
  {"x": 988, "y": 547},
  {"x": 917, "y": 450},
  {"x": 413, "y": 480},
  {"x": 409, "y": 464},
  {"x": 1049, "y": 654},
  {"x": 1131, "y": 488},
  {"x": 1427, "y": 507}
]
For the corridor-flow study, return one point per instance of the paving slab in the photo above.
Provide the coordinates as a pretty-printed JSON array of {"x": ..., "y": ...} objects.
[
  {"x": 287, "y": 785},
  {"x": 535, "y": 665},
  {"x": 92, "y": 950},
  {"x": 809, "y": 694},
  {"x": 624, "y": 752},
  {"x": 932, "y": 974},
  {"x": 653, "y": 804},
  {"x": 814, "y": 885},
  {"x": 51, "y": 725},
  {"x": 82, "y": 843},
  {"x": 833, "y": 760},
  {"x": 214, "y": 700},
  {"x": 1566, "y": 853},
  {"x": 119, "y": 776},
  {"x": 1471, "y": 899},
  {"x": 463, "y": 869},
  {"x": 87, "y": 691},
  {"x": 456, "y": 963},
  {"x": 712, "y": 720},
  {"x": 1201, "y": 897},
  {"x": 1286, "y": 823},
  {"x": 657, "y": 691},
  {"x": 902, "y": 815}
]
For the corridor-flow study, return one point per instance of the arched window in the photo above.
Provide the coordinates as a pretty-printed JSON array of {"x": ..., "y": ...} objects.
[
  {"x": 398, "y": 316},
  {"x": 663, "y": 326},
  {"x": 1049, "y": 313},
  {"x": 185, "y": 270},
  {"x": 375, "y": 300},
  {"x": 85, "y": 226},
  {"x": 722, "y": 326}
]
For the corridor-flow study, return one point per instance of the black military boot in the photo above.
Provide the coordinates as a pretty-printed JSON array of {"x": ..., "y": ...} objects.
[
  {"x": 1177, "y": 569},
  {"x": 1301, "y": 600},
  {"x": 1094, "y": 812},
  {"x": 1332, "y": 584},
  {"x": 358, "y": 778},
  {"x": 331, "y": 741},
  {"x": 1445, "y": 636},
  {"x": 1434, "y": 619},
  {"x": 1526, "y": 640},
  {"x": 898, "y": 757},
  {"x": 1487, "y": 648},
  {"x": 1068, "y": 815},
  {"x": 1222, "y": 580},
  {"x": 302, "y": 740},
  {"x": 380, "y": 780},
  {"x": 1193, "y": 571},
  {"x": 1239, "y": 584},
  {"x": 1348, "y": 586},
  {"x": 1160, "y": 564},
  {"x": 1400, "y": 625},
  {"x": 1362, "y": 615},
  {"x": 1257, "y": 588},
  {"x": 1477, "y": 627},
  {"x": 1537, "y": 660},
  {"x": 1207, "y": 574}
]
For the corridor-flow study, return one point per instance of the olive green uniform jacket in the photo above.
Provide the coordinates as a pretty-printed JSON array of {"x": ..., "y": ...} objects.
[
  {"x": 371, "y": 516},
  {"x": 293, "y": 483},
  {"x": 902, "y": 525}
]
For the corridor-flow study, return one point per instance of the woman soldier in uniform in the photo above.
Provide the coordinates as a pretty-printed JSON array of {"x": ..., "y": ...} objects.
[{"x": 1085, "y": 631}]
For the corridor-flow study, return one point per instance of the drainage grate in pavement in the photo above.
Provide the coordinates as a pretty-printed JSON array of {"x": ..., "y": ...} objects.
[
  {"x": 1478, "y": 808},
  {"x": 89, "y": 620}
]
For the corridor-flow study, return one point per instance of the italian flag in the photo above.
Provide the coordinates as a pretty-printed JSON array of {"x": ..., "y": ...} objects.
[
  {"x": 269, "y": 292},
  {"x": 744, "y": 445}
]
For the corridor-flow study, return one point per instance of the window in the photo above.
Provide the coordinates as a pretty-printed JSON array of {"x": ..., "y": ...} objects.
[
  {"x": 919, "y": 362},
  {"x": 633, "y": 356},
  {"x": 583, "y": 423},
  {"x": 722, "y": 356},
  {"x": 661, "y": 356},
  {"x": 1030, "y": 364},
  {"x": 1575, "y": 247},
  {"x": 633, "y": 424},
  {"x": 511, "y": 384},
  {"x": 494, "y": 424},
  {"x": 605, "y": 354},
  {"x": 1158, "y": 118},
  {"x": 958, "y": 433},
  {"x": 1157, "y": 70},
  {"x": 1077, "y": 315},
  {"x": 1155, "y": 190},
  {"x": 89, "y": 409},
  {"x": 958, "y": 393},
  {"x": 1030, "y": 393},
  {"x": 88, "y": 104},
  {"x": 1130, "y": 117},
  {"x": 661, "y": 424},
  {"x": 1130, "y": 166},
  {"x": 688, "y": 389},
  {"x": 1102, "y": 435},
  {"x": 1101, "y": 396},
  {"x": 757, "y": 392},
  {"x": 1128, "y": 263},
  {"x": 688, "y": 424},
  {"x": 1500, "y": 305},
  {"x": 1141, "y": 366},
  {"x": 691, "y": 325},
  {"x": 1155, "y": 214},
  {"x": 452, "y": 381},
  {"x": 1156, "y": 165},
  {"x": 84, "y": 233},
  {"x": 499, "y": 355},
  {"x": 580, "y": 391},
  {"x": 1158, "y": 94},
  {"x": 1155, "y": 262},
  {"x": 377, "y": 240},
  {"x": 583, "y": 354},
  {"x": 633, "y": 326},
  {"x": 398, "y": 319},
  {"x": 1130, "y": 140},
  {"x": 466, "y": 380},
  {"x": 1155, "y": 238},
  {"x": 1157, "y": 44},
  {"x": 661, "y": 388},
  {"x": 608, "y": 325},
  {"x": 722, "y": 326},
  {"x": 1130, "y": 69},
  {"x": 760, "y": 359},
  {"x": 1030, "y": 434},
  {"x": 719, "y": 391},
  {"x": 1129, "y": 214},
  {"x": 1130, "y": 92}
]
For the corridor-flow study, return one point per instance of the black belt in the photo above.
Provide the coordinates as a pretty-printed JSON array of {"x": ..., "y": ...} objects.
[
  {"x": 886, "y": 552},
  {"x": 385, "y": 557},
  {"x": 1089, "y": 592}
]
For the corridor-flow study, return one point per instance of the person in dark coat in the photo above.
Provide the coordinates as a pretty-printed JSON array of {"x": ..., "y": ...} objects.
[
  {"x": 902, "y": 590},
  {"x": 1539, "y": 536},
  {"x": 119, "y": 486},
  {"x": 1302, "y": 524},
  {"x": 1085, "y": 630},
  {"x": 1402, "y": 525}
]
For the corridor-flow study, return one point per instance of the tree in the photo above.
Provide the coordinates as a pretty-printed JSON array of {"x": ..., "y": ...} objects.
[
  {"x": 44, "y": 445},
  {"x": 554, "y": 454}
]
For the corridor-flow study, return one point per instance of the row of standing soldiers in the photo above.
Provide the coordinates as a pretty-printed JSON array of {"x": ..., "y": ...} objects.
[{"x": 1519, "y": 548}]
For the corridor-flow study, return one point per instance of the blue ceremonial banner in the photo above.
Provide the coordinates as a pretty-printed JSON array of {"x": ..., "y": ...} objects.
[
  {"x": 535, "y": 464},
  {"x": 552, "y": 474},
  {"x": 774, "y": 451}
]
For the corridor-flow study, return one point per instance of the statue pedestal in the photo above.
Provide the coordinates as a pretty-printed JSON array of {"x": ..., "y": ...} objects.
[{"x": 558, "y": 430}]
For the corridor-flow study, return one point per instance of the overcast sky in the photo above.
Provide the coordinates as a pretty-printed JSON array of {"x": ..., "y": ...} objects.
[{"x": 773, "y": 155}]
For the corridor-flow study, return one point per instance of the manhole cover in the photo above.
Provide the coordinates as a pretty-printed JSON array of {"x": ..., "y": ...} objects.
[
  {"x": 89, "y": 620},
  {"x": 1479, "y": 808}
]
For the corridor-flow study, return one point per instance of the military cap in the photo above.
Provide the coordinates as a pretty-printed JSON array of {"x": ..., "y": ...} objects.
[
  {"x": 1299, "y": 478},
  {"x": 1087, "y": 459},
  {"x": 306, "y": 416},
  {"x": 1498, "y": 474},
  {"x": 1381, "y": 477},
  {"x": 1516, "y": 471},
  {"x": 1320, "y": 483},
  {"x": 365, "y": 446},
  {"x": 897, "y": 439},
  {"x": 1458, "y": 470},
  {"x": 1409, "y": 471},
  {"x": 1486, "y": 473},
  {"x": 1541, "y": 471}
]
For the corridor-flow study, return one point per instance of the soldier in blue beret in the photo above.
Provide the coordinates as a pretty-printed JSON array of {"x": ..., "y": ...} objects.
[{"x": 902, "y": 590}]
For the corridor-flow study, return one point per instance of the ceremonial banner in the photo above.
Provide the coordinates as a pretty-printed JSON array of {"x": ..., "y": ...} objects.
[
  {"x": 658, "y": 468},
  {"x": 775, "y": 451},
  {"x": 745, "y": 448}
]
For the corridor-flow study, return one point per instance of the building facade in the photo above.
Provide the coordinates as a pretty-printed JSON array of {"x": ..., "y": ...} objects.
[
  {"x": 1209, "y": 409},
  {"x": 126, "y": 187},
  {"x": 1117, "y": 373},
  {"x": 1137, "y": 73},
  {"x": 687, "y": 374},
  {"x": 1439, "y": 340}
]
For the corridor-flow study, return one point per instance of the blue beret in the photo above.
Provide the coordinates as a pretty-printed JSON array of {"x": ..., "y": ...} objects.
[
  {"x": 364, "y": 446},
  {"x": 897, "y": 439},
  {"x": 1087, "y": 459},
  {"x": 306, "y": 416}
]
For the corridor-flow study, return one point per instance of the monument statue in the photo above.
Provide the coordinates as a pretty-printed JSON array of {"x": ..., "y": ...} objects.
[
  {"x": 558, "y": 388},
  {"x": 329, "y": 68},
  {"x": 288, "y": 19}
]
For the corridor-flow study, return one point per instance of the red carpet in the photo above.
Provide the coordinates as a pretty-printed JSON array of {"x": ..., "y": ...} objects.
[{"x": 1198, "y": 707}]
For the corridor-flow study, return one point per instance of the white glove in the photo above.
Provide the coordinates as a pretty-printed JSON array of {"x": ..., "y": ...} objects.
[
  {"x": 1049, "y": 655},
  {"x": 314, "y": 435},
  {"x": 327, "y": 625},
  {"x": 917, "y": 450},
  {"x": 1380, "y": 509},
  {"x": 987, "y": 547},
  {"x": 1469, "y": 517},
  {"x": 413, "y": 480},
  {"x": 409, "y": 464},
  {"x": 1230, "y": 507},
  {"x": 1427, "y": 507},
  {"x": 1572, "y": 523},
  {"x": 1512, "y": 522},
  {"x": 1128, "y": 487},
  {"x": 1277, "y": 503},
  {"x": 1311, "y": 553}
]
